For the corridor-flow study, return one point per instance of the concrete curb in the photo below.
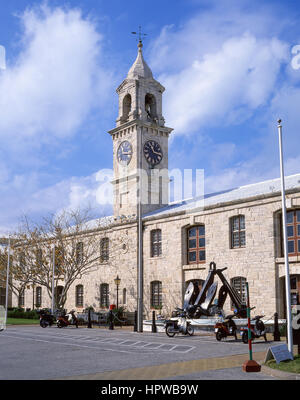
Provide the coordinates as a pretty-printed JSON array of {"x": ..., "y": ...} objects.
[{"x": 290, "y": 376}]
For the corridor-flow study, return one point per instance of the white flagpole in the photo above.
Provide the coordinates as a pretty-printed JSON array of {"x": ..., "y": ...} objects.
[
  {"x": 53, "y": 273},
  {"x": 140, "y": 247},
  {"x": 7, "y": 280},
  {"x": 285, "y": 241}
]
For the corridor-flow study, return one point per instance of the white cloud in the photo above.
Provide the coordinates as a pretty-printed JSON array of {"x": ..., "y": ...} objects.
[
  {"x": 23, "y": 196},
  {"x": 56, "y": 79},
  {"x": 225, "y": 86}
]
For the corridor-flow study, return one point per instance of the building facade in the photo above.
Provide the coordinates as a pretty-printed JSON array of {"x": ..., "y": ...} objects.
[{"x": 239, "y": 229}]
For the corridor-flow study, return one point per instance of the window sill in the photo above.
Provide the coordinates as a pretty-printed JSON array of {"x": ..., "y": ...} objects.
[
  {"x": 201, "y": 266},
  {"x": 292, "y": 259}
]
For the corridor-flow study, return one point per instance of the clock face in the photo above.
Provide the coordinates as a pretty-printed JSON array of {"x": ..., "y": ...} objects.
[
  {"x": 124, "y": 152},
  {"x": 153, "y": 152}
]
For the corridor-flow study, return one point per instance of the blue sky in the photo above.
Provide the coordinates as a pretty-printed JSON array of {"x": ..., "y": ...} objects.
[{"x": 226, "y": 66}]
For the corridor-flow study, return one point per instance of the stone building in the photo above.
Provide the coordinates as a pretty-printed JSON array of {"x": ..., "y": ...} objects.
[{"x": 239, "y": 229}]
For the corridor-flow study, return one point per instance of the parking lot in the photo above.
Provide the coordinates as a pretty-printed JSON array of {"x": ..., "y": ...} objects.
[{"x": 30, "y": 352}]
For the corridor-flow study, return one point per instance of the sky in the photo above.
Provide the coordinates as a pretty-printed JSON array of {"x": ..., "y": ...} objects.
[{"x": 230, "y": 69}]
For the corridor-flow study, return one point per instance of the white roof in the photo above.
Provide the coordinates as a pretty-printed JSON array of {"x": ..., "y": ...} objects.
[{"x": 265, "y": 188}]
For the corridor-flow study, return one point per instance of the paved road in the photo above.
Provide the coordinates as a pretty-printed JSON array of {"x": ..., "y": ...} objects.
[{"x": 52, "y": 353}]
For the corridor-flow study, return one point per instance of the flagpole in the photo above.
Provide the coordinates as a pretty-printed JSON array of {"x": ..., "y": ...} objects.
[
  {"x": 7, "y": 280},
  {"x": 285, "y": 241},
  {"x": 140, "y": 247},
  {"x": 53, "y": 273}
]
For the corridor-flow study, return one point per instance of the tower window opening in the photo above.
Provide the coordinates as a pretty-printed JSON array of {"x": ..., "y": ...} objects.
[
  {"x": 126, "y": 107},
  {"x": 150, "y": 106}
]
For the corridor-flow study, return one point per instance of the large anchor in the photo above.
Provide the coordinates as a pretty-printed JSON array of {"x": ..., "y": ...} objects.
[{"x": 201, "y": 304}]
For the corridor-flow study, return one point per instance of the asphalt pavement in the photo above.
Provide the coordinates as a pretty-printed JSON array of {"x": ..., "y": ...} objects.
[{"x": 34, "y": 353}]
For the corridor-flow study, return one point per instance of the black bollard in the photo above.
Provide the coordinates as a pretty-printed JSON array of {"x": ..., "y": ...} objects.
[
  {"x": 135, "y": 322},
  {"x": 89, "y": 319},
  {"x": 154, "y": 330},
  {"x": 111, "y": 320},
  {"x": 276, "y": 333}
]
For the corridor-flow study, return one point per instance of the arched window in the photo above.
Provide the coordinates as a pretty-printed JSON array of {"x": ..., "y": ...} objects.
[
  {"x": 196, "y": 245},
  {"x": 156, "y": 294},
  {"x": 239, "y": 284},
  {"x": 104, "y": 249},
  {"x": 104, "y": 295},
  {"x": 238, "y": 231},
  {"x": 79, "y": 295},
  {"x": 126, "y": 107},
  {"x": 150, "y": 106},
  {"x": 156, "y": 249},
  {"x": 38, "y": 297}
]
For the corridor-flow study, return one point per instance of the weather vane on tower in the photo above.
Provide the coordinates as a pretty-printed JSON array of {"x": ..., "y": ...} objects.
[{"x": 141, "y": 35}]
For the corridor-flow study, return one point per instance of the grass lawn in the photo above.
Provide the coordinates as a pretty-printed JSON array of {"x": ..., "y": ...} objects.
[
  {"x": 287, "y": 366},
  {"x": 22, "y": 321}
]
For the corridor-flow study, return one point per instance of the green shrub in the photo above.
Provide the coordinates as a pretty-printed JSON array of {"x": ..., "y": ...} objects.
[
  {"x": 20, "y": 313},
  {"x": 282, "y": 330}
]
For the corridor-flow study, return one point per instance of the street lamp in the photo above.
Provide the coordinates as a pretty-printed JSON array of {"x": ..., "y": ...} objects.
[{"x": 117, "y": 282}]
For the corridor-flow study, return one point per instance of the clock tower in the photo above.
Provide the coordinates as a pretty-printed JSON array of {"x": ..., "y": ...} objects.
[{"x": 140, "y": 143}]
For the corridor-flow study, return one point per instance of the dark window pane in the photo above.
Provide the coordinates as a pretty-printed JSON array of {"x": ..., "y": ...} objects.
[
  {"x": 201, "y": 230},
  {"x": 243, "y": 239},
  {"x": 156, "y": 243},
  {"x": 290, "y": 217},
  {"x": 291, "y": 246},
  {"x": 242, "y": 222},
  {"x": 156, "y": 294},
  {"x": 235, "y": 239},
  {"x": 79, "y": 296},
  {"x": 239, "y": 285},
  {"x": 202, "y": 255},
  {"x": 293, "y": 282},
  {"x": 192, "y": 243},
  {"x": 38, "y": 301},
  {"x": 104, "y": 295},
  {"x": 298, "y": 230},
  {"x": 238, "y": 233},
  {"x": 298, "y": 216},
  {"x": 298, "y": 246},
  {"x": 202, "y": 242},
  {"x": 104, "y": 249},
  {"x": 192, "y": 256},
  {"x": 290, "y": 231},
  {"x": 192, "y": 232},
  {"x": 235, "y": 223}
]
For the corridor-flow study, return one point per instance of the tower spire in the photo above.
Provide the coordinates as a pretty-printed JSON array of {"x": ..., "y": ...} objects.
[{"x": 140, "y": 67}]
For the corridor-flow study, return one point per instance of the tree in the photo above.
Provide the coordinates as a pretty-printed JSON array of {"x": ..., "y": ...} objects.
[
  {"x": 19, "y": 276},
  {"x": 71, "y": 236}
]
